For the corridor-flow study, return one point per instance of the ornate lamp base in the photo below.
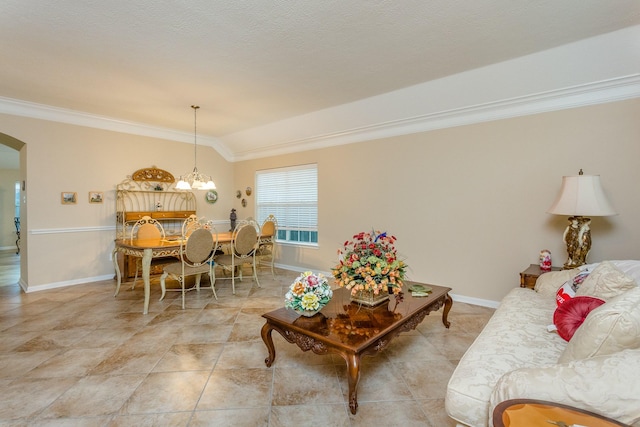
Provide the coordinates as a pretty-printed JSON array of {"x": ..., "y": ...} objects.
[{"x": 577, "y": 237}]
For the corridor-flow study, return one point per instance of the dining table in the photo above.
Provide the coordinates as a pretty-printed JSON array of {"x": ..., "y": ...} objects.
[{"x": 147, "y": 249}]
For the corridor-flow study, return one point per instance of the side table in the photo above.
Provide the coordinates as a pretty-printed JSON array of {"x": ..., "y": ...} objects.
[
  {"x": 534, "y": 413},
  {"x": 529, "y": 276}
]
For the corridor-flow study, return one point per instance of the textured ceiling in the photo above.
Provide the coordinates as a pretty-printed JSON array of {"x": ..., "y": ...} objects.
[{"x": 250, "y": 63}]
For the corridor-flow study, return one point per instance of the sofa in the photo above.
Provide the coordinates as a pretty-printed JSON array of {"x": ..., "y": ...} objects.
[{"x": 521, "y": 352}]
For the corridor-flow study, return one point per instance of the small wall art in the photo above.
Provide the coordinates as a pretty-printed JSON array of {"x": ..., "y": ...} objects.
[
  {"x": 96, "y": 196},
  {"x": 68, "y": 198}
]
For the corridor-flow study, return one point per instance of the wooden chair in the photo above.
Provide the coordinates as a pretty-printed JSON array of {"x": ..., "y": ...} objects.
[
  {"x": 267, "y": 242},
  {"x": 244, "y": 243},
  {"x": 197, "y": 248}
]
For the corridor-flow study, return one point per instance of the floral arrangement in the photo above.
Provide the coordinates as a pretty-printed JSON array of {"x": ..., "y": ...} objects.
[
  {"x": 370, "y": 263},
  {"x": 309, "y": 293}
]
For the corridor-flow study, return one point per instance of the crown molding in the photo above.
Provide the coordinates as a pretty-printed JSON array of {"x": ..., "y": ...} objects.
[
  {"x": 610, "y": 90},
  {"x": 33, "y": 110}
]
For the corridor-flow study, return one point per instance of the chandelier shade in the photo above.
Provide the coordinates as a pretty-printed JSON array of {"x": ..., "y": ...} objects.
[{"x": 195, "y": 180}]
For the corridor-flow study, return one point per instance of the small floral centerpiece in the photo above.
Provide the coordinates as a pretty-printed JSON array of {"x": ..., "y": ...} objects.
[
  {"x": 308, "y": 294},
  {"x": 369, "y": 264}
]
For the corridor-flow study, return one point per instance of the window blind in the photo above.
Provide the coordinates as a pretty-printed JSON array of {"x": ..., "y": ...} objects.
[{"x": 291, "y": 194}]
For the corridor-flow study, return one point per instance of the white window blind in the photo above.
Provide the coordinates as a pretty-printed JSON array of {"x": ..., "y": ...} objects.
[{"x": 291, "y": 195}]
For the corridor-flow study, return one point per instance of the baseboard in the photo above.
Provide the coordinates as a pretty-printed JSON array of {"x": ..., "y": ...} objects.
[
  {"x": 63, "y": 284},
  {"x": 475, "y": 301}
]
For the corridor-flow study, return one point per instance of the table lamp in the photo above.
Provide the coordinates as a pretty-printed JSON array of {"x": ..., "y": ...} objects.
[{"x": 580, "y": 196}]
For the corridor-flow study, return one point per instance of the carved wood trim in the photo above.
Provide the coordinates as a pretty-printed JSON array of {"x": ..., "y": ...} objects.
[{"x": 154, "y": 174}]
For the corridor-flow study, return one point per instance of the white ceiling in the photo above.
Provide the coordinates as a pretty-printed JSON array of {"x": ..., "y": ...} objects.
[{"x": 254, "y": 62}]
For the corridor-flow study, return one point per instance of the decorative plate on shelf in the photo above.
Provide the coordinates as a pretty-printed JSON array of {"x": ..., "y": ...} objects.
[
  {"x": 248, "y": 191},
  {"x": 238, "y": 194},
  {"x": 244, "y": 203},
  {"x": 211, "y": 196}
]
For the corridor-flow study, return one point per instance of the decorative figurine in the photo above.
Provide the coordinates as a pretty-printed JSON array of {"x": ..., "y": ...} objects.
[
  {"x": 158, "y": 205},
  {"x": 545, "y": 260},
  {"x": 232, "y": 219}
]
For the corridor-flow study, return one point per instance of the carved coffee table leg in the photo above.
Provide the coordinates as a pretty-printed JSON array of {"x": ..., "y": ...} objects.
[
  {"x": 448, "y": 302},
  {"x": 353, "y": 374},
  {"x": 268, "y": 341}
]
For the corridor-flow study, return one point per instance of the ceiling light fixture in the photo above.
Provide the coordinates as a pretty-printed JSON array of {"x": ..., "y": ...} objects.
[{"x": 195, "y": 180}]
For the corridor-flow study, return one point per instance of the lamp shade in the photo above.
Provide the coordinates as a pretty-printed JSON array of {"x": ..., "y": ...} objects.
[{"x": 582, "y": 195}]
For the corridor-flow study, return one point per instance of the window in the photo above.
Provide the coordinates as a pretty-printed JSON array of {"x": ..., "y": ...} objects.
[{"x": 291, "y": 195}]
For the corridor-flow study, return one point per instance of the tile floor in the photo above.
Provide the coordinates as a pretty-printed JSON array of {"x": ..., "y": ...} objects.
[{"x": 80, "y": 357}]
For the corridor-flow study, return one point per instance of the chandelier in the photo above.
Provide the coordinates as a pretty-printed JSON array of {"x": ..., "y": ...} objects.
[{"x": 195, "y": 180}]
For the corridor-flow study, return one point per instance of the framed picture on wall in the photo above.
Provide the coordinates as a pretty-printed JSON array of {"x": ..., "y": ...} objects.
[
  {"x": 69, "y": 198},
  {"x": 96, "y": 196}
]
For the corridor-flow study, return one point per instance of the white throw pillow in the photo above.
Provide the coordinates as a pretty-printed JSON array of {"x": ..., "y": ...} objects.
[
  {"x": 610, "y": 328},
  {"x": 547, "y": 284},
  {"x": 605, "y": 282}
]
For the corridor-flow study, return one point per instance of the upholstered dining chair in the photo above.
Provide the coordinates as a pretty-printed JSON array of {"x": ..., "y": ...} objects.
[
  {"x": 244, "y": 243},
  {"x": 267, "y": 242},
  {"x": 197, "y": 248},
  {"x": 146, "y": 228}
]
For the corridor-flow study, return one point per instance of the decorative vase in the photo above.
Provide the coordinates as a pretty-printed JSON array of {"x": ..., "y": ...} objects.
[
  {"x": 308, "y": 313},
  {"x": 369, "y": 299}
]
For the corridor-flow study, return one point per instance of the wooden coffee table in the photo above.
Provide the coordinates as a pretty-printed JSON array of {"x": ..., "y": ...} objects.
[{"x": 352, "y": 330}]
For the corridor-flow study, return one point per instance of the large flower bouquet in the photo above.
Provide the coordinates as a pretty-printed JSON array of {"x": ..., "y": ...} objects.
[
  {"x": 370, "y": 263},
  {"x": 309, "y": 293}
]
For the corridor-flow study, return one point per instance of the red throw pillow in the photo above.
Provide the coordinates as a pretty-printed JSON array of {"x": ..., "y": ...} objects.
[{"x": 569, "y": 315}]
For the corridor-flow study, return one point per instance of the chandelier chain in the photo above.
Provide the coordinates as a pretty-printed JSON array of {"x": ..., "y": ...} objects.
[{"x": 195, "y": 136}]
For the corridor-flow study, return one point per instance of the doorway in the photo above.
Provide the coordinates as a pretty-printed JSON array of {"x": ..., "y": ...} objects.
[{"x": 11, "y": 215}]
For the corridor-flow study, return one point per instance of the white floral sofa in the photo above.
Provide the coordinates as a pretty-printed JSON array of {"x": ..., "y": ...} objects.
[{"x": 517, "y": 356}]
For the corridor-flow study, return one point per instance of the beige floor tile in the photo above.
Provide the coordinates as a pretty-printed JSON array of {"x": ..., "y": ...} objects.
[
  {"x": 248, "y": 354},
  {"x": 237, "y": 388},
  {"x": 400, "y": 413},
  {"x": 426, "y": 380},
  {"x": 173, "y": 419},
  {"x": 309, "y": 415},
  {"x": 190, "y": 357},
  {"x": 317, "y": 384},
  {"x": 203, "y": 333},
  {"x": 167, "y": 392},
  {"x": 24, "y": 398},
  {"x": 78, "y": 356},
  {"x": 16, "y": 365},
  {"x": 94, "y": 396},
  {"x": 70, "y": 363},
  {"x": 246, "y": 417}
]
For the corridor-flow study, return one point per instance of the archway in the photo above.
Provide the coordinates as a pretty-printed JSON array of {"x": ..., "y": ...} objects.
[{"x": 20, "y": 146}]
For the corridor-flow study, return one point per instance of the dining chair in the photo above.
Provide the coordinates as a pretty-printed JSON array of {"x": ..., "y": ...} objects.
[
  {"x": 190, "y": 224},
  {"x": 267, "y": 242},
  {"x": 244, "y": 244},
  {"x": 197, "y": 249},
  {"x": 147, "y": 228}
]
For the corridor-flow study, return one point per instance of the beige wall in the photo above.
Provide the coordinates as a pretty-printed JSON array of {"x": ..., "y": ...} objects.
[
  {"x": 72, "y": 243},
  {"x": 8, "y": 178},
  {"x": 468, "y": 204}
]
